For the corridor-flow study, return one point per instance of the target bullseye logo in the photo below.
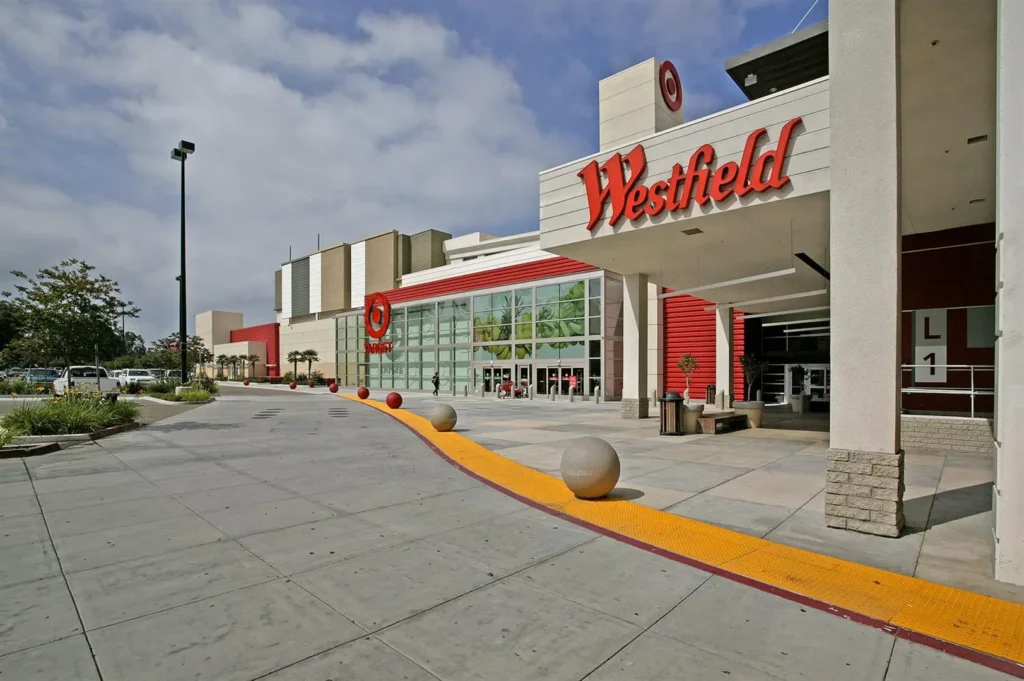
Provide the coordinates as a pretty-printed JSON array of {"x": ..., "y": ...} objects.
[
  {"x": 671, "y": 88},
  {"x": 377, "y": 316}
]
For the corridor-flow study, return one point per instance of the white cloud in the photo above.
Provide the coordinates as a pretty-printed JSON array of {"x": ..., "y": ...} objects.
[{"x": 297, "y": 133}]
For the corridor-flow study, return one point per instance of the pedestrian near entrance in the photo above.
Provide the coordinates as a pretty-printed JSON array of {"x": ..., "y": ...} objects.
[{"x": 436, "y": 380}]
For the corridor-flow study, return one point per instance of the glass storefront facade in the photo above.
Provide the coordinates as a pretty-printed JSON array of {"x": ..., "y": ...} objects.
[{"x": 555, "y": 335}]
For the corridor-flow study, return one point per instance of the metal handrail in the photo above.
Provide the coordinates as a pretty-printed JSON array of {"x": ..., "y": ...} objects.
[{"x": 972, "y": 391}]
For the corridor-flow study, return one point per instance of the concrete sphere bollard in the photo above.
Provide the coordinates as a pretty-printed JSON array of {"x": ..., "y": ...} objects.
[
  {"x": 393, "y": 400},
  {"x": 333, "y": 388},
  {"x": 312, "y": 384},
  {"x": 292, "y": 385},
  {"x": 245, "y": 382},
  {"x": 363, "y": 392},
  {"x": 443, "y": 418},
  {"x": 590, "y": 468}
]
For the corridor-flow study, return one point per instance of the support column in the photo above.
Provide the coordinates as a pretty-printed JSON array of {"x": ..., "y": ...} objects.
[
  {"x": 723, "y": 356},
  {"x": 864, "y": 488},
  {"x": 1008, "y": 499},
  {"x": 657, "y": 366},
  {"x": 635, "y": 400}
]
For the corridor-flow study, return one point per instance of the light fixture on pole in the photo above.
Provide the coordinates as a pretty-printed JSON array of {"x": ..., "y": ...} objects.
[{"x": 180, "y": 153}]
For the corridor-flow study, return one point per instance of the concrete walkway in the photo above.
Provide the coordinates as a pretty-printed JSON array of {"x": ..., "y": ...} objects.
[
  {"x": 319, "y": 539},
  {"x": 769, "y": 483}
]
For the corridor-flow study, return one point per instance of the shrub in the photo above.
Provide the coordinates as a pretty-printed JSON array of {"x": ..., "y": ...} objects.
[
  {"x": 206, "y": 383},
  {"x": 69, "y": 416},
  {"x": 316, "y": 376},
  {"x": 133, "y": 388},
  {"x": 23, "y": 388},
  {"x": 162, "y": 386},
  {"x": 6, "y": 436}
]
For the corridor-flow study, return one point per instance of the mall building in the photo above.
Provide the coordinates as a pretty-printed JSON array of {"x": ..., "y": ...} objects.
[{"x": 858, "y": 218}]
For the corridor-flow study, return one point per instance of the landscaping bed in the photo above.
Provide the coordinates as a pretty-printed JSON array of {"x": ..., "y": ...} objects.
[
  {"x": 75, "y": 416},
  {"x": 189, "y": 396},
  {"x": 21, "y": 451}
]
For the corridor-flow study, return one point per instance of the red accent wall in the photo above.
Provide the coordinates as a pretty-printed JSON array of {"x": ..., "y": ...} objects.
[
  {"x": 689, "y": 328},
  {"x": 264, "y": 333},
  {"x": 501, "y": 276},
  {"x": 949, "y": 278}
]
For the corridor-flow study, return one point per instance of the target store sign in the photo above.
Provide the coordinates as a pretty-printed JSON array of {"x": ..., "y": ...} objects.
[
  {"x": 377, "y": 319},
  {"x": 618, "y": 181}
]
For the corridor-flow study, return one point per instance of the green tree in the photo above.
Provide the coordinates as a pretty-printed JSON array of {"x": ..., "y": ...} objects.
[
  {"x": 251, "y": 361},
  {"x": 67, "y": 311},
  {"x": 10, "y": 323},
  {"x": 309, "y": 356},
  {"x": 294, "y": 357},
  {"x": 688, "y": 365},
  {"x": 753, "y": 367},
  {"x": 221, "y": 361}
]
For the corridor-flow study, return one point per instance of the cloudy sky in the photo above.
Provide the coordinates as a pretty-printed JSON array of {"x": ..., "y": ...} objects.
[{"x": 341, "y": 118}]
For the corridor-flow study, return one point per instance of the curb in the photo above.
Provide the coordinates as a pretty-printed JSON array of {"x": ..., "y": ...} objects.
[
  {"x": 980, "y": 629},
  {"x": 78, "y": 437},
  {"x": 23, "y": 451}
]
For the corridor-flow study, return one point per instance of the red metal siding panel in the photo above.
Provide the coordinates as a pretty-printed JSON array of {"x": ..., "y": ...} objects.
[
  {"x": 264, "y": 333},
  {"x": 502, "y": 276},
  {"x": 689, "y": 328}
]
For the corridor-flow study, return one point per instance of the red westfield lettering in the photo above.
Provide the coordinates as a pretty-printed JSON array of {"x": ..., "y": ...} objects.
[
  {"x": 377, "y": 347},
  {"x": 631, "y": 199}
]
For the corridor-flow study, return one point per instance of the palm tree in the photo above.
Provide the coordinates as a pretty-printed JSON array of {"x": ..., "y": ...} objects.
[
  {"x": 221, "y": 361},
  {"x": 251, "y": 360},
  {"x": 295, "y": 357},
  {"x": 234, "y": 360},
  {"x": 309, "y": 356}
]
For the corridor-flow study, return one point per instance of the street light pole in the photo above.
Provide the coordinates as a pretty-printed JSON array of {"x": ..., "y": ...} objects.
[{"x": 180, "y": 154}]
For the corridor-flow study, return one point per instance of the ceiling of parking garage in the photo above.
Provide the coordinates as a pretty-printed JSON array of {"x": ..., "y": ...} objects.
[{"x": 948, "y": 95}]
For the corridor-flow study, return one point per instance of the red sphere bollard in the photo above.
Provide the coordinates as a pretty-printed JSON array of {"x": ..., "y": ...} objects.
[
  {"x": 393, "y": 400},
  {"x": 245, "y": 382},
  {"x": 312, "y": 384},
  {"x": 363, "y": 392},
  {"x": 292, "y": 385},
  {"x": 333, "y": 388}
]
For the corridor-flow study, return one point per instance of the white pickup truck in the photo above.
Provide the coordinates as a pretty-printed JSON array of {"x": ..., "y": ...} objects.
[{"x": 85, "y": 377}]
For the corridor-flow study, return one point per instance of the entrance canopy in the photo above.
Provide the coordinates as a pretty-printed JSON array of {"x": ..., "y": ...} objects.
[{"x": 732, "y": 208}]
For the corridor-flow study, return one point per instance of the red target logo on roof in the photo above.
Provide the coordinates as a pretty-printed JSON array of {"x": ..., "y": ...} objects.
[
  {"x": 377, "y": 316},
  {"x": 671, "y": 88}
]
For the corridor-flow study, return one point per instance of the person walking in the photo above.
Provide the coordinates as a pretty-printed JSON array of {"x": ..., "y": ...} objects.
[{"x": 436, "y": 380}]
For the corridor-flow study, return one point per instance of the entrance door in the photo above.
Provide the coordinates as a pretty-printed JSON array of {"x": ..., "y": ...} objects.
[
  {"x": 577, "y": 373},
  {"x": 819, "y": 382},
  {"x": 523, "y": 373}
]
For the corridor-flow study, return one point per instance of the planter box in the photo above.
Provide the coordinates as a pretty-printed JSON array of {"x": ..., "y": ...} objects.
[
  {"x": 691, "y": 418},
  {"x": 77, "y": 437},
  {"x": 21, "y": 451},
  {"x": 754, "y": 411}
]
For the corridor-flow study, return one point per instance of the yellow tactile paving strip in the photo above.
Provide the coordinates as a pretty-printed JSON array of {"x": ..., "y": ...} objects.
[{"x": 913, "y": 606}]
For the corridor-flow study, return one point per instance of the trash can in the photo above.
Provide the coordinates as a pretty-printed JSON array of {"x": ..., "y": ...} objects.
[
  {"x": 709, "y": 395},
  {"x": 671, "y": 414}
]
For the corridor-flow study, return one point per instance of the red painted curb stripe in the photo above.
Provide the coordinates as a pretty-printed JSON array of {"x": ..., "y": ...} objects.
[{"x": 969, "y": 654}]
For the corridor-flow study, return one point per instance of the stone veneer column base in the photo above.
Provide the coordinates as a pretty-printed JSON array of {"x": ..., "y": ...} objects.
[
  {"x": 635, "y": 408},
  {"x": 864, "y": 492}
]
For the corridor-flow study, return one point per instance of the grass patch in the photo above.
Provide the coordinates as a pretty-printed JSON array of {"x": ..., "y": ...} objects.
[{"x": 69, "y": 416}]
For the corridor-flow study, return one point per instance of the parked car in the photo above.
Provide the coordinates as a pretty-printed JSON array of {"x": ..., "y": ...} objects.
[
  {"x": 158, "y": 374},
  {"x": 15, "y": 373},
  {"x": 38, "y": 375},
  {"x": 95, "y": 378},
  {"x": 136, "y": 376},
  {"x": 3, "y": 375}
]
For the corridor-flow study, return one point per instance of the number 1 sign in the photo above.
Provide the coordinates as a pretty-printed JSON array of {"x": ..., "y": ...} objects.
[{"x": 930, "y": 346}]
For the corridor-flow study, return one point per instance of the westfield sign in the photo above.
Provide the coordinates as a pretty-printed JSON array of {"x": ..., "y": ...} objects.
[{"x": 607, "y": 183}]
